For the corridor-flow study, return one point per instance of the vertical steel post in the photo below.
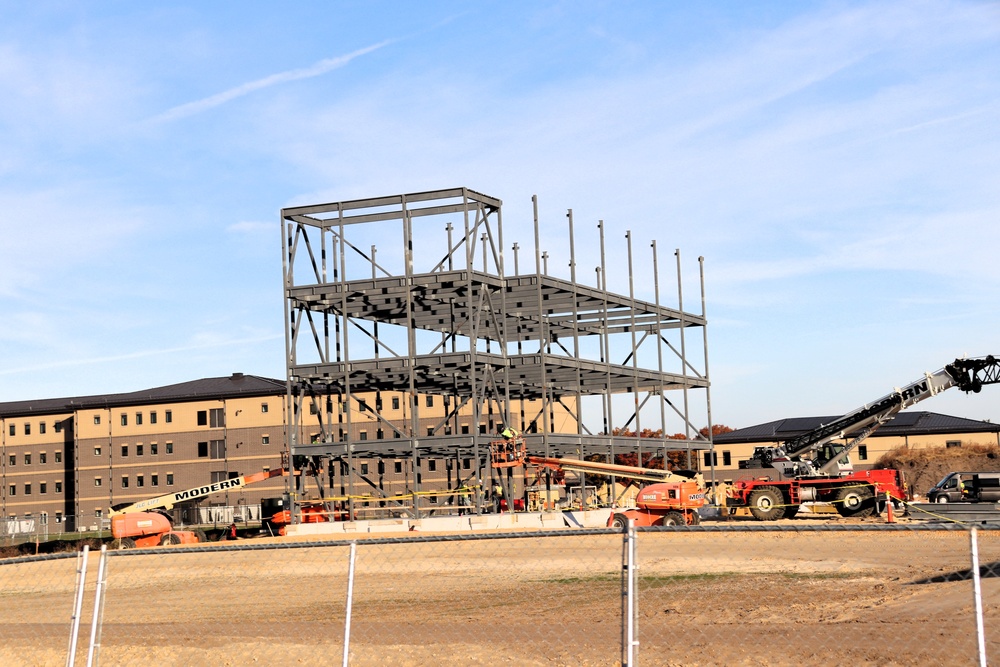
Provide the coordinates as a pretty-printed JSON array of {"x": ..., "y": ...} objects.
[
  {"x": 350, "y": 601},
  {"x": 629, "y": 642},
  {"x": 81, "y": 580},
  {"x": 977, "y": 593},
  {"x": 97, "y": 622}
]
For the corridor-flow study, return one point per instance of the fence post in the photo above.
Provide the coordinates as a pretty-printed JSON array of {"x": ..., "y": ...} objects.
[
  {"x": 97, "y": 622},
  {"x": 630, "y": 643},
  {"x": 350, "y": 601},
  {"x": 978, "y": 596},
  {"x": 81, "y": 578}
]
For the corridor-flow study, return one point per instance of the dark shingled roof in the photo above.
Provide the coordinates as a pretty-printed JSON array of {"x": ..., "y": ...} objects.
[
  {"x": 234, "y": 386},
  {"x": 905, "y": 423}
]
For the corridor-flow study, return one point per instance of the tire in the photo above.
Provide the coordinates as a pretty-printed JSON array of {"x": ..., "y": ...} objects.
[
  {"x": 619, "y": 521},
  {"x": 673, "y": 519},
  {"x": 124, "y": 543},
  {"x": 790, "y": 511},
  {"x": 941, "y": 499},
  {"x": 766, "y": 504},
  {"x": 855, "y": 502},
  {"x": 170, "y": 538},
  {"x": 695, "y": 518}
]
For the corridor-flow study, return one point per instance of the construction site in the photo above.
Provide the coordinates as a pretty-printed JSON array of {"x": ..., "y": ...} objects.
[{"x": 420, "y": 296}]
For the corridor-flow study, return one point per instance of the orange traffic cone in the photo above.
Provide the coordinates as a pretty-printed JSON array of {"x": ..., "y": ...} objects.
[{"x": 889, "y": 518}]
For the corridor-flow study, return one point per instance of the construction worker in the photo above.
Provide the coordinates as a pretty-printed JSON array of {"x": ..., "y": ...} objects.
[
  {"x": 507, "y": 433},
  {"x": 497, "y": 496}
]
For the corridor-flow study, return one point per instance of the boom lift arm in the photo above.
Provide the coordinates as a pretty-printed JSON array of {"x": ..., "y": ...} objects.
[
  {"x": 167, "y": 501},
  {"x": 966, "y": 374}
]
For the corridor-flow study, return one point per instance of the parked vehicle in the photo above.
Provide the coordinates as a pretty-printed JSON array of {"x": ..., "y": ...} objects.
[{"x": 967, "y": 487}]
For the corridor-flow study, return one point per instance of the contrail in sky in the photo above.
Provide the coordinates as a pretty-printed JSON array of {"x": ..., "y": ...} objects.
[{"x": 322, "y": 67}]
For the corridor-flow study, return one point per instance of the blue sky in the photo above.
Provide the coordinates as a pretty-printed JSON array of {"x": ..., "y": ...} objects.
[{"x": 836, "y": 164}]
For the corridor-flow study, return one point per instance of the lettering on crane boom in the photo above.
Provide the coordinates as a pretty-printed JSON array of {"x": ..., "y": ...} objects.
[
  {"x": 915, "y": 390},
  {"x": 189, "y": 494}
]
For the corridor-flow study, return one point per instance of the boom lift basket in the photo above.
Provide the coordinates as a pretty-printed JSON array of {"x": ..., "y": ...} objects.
[{"x": 507, "y": 453}]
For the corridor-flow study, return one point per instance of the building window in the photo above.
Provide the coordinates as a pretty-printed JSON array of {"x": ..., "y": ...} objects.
[
  {"x": 952, "y": 443},
  {"x": 43, "y": 487},
  {"x": 482, "y": 429},
  {"x": 154, "y": 480},
  {"x": 58, "y": 457},
  {"x": 363, "y": 435},
  {"x": 58, "y": 487},
  {"x": 219, "y": 476},
  {"x": 466, "y": 464},
  {"x": 711, "y": 458},
  {"x": 58, "y": 517},
  {"x": 429, "y": 401},
  {"x": 727, "y": 458},
  {"x": 57, "y": 426},
  {"x": 430, "y": 430},
  {"x": 263, "y": 407},
  {"x": 98, "y": 513},
  {"x": 202, "y": 418},
  {"x": 362, "y": 405},
  {"x": 168, "y": 415},
  {"x": 465, "y": 429},
  {"x": 124, "y": 451},
  {"x": 170, "y": 479},
  {"x": 44, "y": 518},
  {"x": 97, "y": 419},
  {"x": 152, "y": 416},
  {"x": 395, "y": 402},
  {"x": 862, "y": 452},
  {"x": 41, "y": 427},
  {"x": 138, "y": 450},
  {"x": 380, "y": 434},
  {"x": 12, "y": 429},
  {"x": 153, "y": 448},
  {"x": 364, "y": 468},
  {"x": 41, "y": 457},
  {"x": 12, "y": 491},
  {"x": 27, "y": 489},
  {"x": 398, "y": 466},
  {"x": 13, "y": 459},
  {"x": 170, "y": 448},
  {"x": 217, "y": 449},
  {"x": 124, "y": 481},
  {"x": 97, "y": 481},
  {"x": 395, "y": 434},
  {"x": 139, "y": 480},
  {"x": 138, "y": 419},
  {"x": 265, "y": 440},
  {"x": 27, "y": 429},
  {"x": 124, "y": 419},
  {"x": 202, "y": 450},
  {"x": 431, "y": 465},
  {"x": 97, "y": 451},
  {"x": 27, "y": 459}
]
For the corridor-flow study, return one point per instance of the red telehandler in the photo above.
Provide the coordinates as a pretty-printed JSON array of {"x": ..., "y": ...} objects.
[{"x": 146, "y": 523}]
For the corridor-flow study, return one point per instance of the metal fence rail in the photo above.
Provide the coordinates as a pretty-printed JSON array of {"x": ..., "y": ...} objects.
[{"x": 714, "y": 595}]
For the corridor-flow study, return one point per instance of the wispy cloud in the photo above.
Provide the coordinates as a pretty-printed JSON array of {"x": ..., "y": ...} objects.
[{"x": 318, "y": 69}]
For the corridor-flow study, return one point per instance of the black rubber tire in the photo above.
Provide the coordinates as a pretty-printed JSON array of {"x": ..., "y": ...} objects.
[
  {"x": 695, "y": 518},
  {"x": 170, "y": 538},
  {"x": 124, "y": 543},
  {"x": 855, "y": 502},
  {"x": 202, "y": 537},
  {"x": 673, "y": 519},
  {"x": 619, "y": 521},
  {"x": 790, "y": 511},
  {"x": 766, "y": 504}
]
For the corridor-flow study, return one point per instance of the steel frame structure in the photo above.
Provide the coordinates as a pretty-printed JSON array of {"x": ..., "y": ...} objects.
[{"x": 438, "y": 315}]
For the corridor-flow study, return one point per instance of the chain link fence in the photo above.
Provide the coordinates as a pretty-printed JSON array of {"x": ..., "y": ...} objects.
[{"x": 708, "y": 595}]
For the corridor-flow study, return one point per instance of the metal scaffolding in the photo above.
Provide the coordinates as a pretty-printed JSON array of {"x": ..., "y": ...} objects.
[{"x": 380, "y": 301}]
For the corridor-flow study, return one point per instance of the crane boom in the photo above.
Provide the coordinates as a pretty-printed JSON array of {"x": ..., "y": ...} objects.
[
  {"x": 167, "y": 501},
  {"x": 966, "y": 374}
]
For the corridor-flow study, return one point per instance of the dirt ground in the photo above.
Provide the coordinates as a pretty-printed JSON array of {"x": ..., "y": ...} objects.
[{"x": 729, "y": 597}]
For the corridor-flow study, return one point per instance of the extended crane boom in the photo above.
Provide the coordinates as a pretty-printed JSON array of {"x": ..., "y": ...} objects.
[{"x": 966, "y": 374}]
